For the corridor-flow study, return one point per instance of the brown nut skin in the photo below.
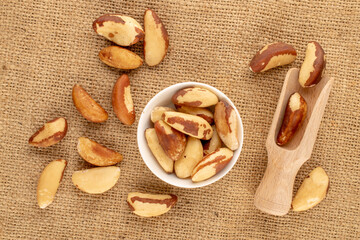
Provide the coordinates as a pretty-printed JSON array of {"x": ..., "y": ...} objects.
[
  {"x": 295, "y": 114},
  {"x": 156, "y": 39},
  {"x": 189, "y": 124},
  {"x": 51, "y": 133},
  {"x": 213, "y": 144},
  {"x": 86, "y": 105},
  {"x": 312, "y": 190},
  {"x": 313, "y": 65},
  {"x": 121, "y": 58},
  {"x": 96, "y": 154},
  {"x": 153, "y": 142},
  {"x": 122, "y": 30},
  {"x": 172, "y": 141},
  {"x": 122, "y": 101},
  {"x": 211, "y": 164},
  {"x": 271, "y": 56},
  {"x": 200, "y": 112},
  {"x": 226, "y": 123},
  {"x": 150, "y": 205},
  {"x": 194, "y": 97}
]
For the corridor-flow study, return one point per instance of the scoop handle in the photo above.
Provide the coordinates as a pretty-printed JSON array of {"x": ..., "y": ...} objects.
[{"x": 274, "y": 194}]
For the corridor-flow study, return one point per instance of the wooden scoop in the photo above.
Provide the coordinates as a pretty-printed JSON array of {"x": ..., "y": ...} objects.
[{"x": 274, "y": 193}]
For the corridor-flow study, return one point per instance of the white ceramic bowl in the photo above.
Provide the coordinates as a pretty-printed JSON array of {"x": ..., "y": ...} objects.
[{"x": 163, "y": 98}]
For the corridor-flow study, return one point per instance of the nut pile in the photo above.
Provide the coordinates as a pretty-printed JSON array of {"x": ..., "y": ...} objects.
[
  {"x": 176, "y": 139},
  {"x": 314, "y": 188},
  {"x": 124, "y": 31},
  {"x": 278, "y": 54}
]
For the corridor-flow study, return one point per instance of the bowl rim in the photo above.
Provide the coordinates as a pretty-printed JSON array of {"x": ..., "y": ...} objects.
[{"x": 141, "y": 135}]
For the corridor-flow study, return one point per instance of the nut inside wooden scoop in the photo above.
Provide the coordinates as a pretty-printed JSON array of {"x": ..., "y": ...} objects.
[{"x": 316, "y": 99}]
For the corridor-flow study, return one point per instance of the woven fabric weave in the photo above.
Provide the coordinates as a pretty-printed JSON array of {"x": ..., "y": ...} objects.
[{"x": 47, "y": 46}]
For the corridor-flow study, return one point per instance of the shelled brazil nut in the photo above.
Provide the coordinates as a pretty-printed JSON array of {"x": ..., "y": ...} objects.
[
  {"x": 49, "y": 182},
  {"x": 51, "y": 133},
  {"x": 273, "y": 55},
  {"x": 312, "y": 190},
  {"x": 96, "y": 180},
  {"x": 87, "y": 106},
  {"x": 96, "y": 154},
  {"x": 150, "y": 205},
  {"x": 294, "y": 116},
  {"x": 120, "y": 29},
  {"x": 122, "y": 101},
  {"x": 313, "y": 65}
]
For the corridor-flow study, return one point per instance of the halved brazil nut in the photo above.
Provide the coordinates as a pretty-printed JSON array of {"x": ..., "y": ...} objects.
[
  {"x": 156, "y": 40},
  {"x": 121, "y": 58},
  {"x": 87, "y": 106},
  {"x": 190, "y": 158},
  {"x": 189, "y": 124},
  {"x": 122, "y": 101},
  {"x": 150, "y": 205},
  {"x": 49, "y": 182},
  {"x": 96, "y": 154},
  {"x": 211, "y": 164},
  {"x": 271, "y": 56},
  {"x": 157, "y": 112},
  {"x": 122, "y": 30},
  {"x": 51, "y": 133},
  {"x": 200, "y": 112},
  {"x": 172, "y": 141},
  {"x": 295, "y": 114},
  {"x": 194, "y": 97},
  {"x": 163, "y": 159},
  {"x": 226, "y": 123},
  {"x": 96, "y": 180},
  {"x": 313, "y": 65},
  {"x": 312, "y": 191},
  {"x": 213, "y": 144}
]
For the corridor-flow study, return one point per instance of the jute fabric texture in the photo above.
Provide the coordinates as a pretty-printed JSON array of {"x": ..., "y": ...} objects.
[{"x": 46, "y": 46}]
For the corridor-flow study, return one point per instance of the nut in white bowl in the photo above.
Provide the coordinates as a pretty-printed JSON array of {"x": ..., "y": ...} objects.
[{"x": 163, "y": 98}]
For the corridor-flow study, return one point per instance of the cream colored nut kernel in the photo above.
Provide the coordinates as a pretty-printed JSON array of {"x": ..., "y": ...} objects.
[
  {"x": 121, "y": 58},
  {"x": 213, "y": 144},
  {"x": 51, "y": 133},
  {"x": 49, "y": 182},
  {"x": 312, "y": 191},
  {"x": 96, "y": 180},
  {"x": 87, "y": 106},
  {"x": 96, "y": 154},
  {"x": 172, "y": 141},
  {"x": 211, "y": 164},
  {"x": 271, "y": 56},
  {"x": 190, "y": 158},
  {"x": 122, "y": 30},
  {"x": 156, "y": 40},
  {"x": 157, "y": 112},
  {"x": 153, "y": 142},
  {"x": 122, "y": 101},
  {"x": 295, "y": 114},
  {"x": 227, "y": 124},
  {"x": 200, "y": 112},
  {"x": 150, "y": 205},
  {"x": 189, "y": 124},
  {"x": 194, "y": 97},
  {"x": 313, "y": 65}
]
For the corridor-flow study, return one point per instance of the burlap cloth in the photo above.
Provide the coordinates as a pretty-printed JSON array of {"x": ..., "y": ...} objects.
[{"x": 48, "y": 46}]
